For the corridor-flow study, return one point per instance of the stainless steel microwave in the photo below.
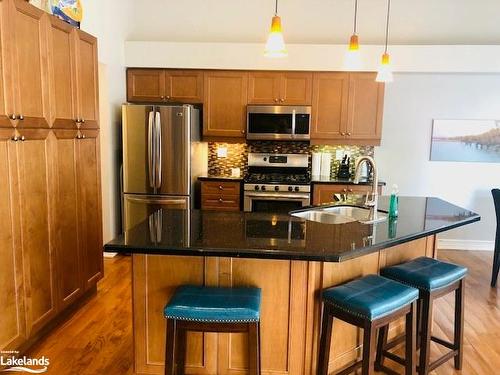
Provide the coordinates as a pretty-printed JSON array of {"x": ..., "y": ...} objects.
[{"x": 280, "y": 122}]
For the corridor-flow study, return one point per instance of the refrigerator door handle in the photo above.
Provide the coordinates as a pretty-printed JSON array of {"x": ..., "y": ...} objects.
[
  {"x": 159, "y": 166},
  {"x": 151, "y": 152}
]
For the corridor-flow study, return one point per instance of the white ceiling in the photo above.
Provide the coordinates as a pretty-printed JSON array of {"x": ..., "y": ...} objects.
[{"x": 317, "y": 21}]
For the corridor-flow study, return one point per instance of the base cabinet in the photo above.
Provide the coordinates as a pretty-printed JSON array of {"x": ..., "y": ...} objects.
[
  {"x": 290, "y": 310},
  {"x": 327, "y": 193}
]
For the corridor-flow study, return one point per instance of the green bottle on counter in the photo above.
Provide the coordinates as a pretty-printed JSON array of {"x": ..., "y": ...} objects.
[{"x": 393, "y": 202}]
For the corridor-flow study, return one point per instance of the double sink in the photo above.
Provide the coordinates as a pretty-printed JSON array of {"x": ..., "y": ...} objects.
[{"x": 341, "y": 214}]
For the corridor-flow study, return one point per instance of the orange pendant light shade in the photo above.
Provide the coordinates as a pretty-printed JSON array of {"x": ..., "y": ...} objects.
[
  {"x": 352, "y": 57},
  {"x": 275, "y": 45}
]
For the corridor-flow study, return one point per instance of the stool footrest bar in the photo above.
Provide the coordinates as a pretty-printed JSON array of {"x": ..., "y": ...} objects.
[{"x": 446, "y": 344}]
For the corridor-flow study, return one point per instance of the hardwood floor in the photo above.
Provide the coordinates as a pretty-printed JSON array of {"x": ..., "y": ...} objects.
[{"x": 98, "y": 338}]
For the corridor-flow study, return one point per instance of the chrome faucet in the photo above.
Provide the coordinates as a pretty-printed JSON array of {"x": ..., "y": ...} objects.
[{"x": 372, "y": 197}]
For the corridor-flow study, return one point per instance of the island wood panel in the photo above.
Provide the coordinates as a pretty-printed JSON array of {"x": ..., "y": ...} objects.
[
  {"x": 290, "y": 317},
  {"x": 29, "y": 64},
  {"x": 284, "y": 288},
  {"x": 35, "y": 187},
  {"x": 12, "y": 323},
  {"x": 155, "y": 279}
]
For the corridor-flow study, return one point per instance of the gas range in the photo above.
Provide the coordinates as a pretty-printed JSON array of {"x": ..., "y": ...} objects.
[{"x": 277, "y": 182}]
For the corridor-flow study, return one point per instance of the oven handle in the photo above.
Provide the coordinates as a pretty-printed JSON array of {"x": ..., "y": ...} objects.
[
  {"x": 294, "y": 114},
  {"x": 278, "y": 197}
]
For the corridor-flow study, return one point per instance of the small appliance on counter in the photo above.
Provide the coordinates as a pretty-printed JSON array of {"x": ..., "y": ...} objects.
[{"x": 344, "y": 168}]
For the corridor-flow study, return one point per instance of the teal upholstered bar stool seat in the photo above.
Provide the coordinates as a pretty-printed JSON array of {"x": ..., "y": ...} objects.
[
  {"x": 434, "y": 279},
  {"x": 369, "y": 303},
  {"x": 211, "y": 309}
]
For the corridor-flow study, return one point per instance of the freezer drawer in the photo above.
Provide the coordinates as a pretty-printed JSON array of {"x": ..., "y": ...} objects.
[{"x": 138, "y": 208}]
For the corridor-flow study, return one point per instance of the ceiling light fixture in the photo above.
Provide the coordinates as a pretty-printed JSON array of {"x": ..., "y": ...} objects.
[
  {"x": 385, "y": 69},
  {"x": 352, "y": 58},
  {"x": 275, "y": 46}
]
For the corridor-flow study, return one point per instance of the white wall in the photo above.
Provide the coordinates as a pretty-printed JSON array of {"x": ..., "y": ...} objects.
[
  {"x": 109, "y": 21},
  {"x": 411, "y": 102}
]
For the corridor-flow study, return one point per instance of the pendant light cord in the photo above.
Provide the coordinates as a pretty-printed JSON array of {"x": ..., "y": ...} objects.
[
  {"x": 355, "y": 16},
  {"x": 276, "y": 9},
  {"x": 387, "y": 24}
]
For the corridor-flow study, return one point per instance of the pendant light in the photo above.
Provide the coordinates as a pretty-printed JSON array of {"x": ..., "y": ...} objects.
[
  {"x": 385, "y": 69},
  {"x": 352, "y": 58},
  {"x": 275, "y": 46}
]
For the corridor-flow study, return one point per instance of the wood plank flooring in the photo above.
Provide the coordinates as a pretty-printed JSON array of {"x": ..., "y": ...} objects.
[{"x": 98, "y": 338}]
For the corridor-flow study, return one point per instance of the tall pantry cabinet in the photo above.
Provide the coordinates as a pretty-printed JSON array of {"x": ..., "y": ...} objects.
[{"x": 50, "y": 199}]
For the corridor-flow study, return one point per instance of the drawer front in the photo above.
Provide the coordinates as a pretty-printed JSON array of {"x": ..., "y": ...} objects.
[
  {"x": 220, "y": 202},
  {"x": 325, "y": 193},
  {"x": 220, "y": 187}
]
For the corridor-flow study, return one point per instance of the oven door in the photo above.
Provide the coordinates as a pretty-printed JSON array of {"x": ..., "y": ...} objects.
[
  {"x": 275, "y": 202},
  {"x": 278, "y": 123}
]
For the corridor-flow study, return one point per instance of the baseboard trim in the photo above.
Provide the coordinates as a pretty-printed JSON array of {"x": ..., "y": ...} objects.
[{"x": 447, "y": 244}]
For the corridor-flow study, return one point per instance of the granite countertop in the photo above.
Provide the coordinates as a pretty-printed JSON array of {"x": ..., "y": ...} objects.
[
  {"x": 341, "y": 181},
  {"x": 219, "y": 178},
  {"x": 281, "y": 236}
]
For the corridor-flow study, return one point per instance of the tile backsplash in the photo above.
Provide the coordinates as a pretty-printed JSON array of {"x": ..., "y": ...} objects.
[{"x": 237, "y": 154}]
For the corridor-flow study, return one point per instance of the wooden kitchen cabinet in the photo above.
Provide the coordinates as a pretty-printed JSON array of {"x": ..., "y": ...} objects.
[
  {"x": 34, "y": 205},
  {"x": 164, "y": 85},
  {"x": 89, "y": 200},
  {"x": 347, "y": 109},
  {"x": 13, "y": 322},
  {"x": 325, "y": 193},
  {"x": 329, "y": 109},
  {"x": 6, "y": 96},
  {"x": 220, "y": 195},
  {"x": 225, "y": 99},
  {"x": 27, "y": 40},
  {"x": 284, "y": 88},
  {"x": 87, "y": 80}
]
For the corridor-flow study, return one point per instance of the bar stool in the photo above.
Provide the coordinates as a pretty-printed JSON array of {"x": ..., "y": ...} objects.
[
  {"x": 434, "y": 279},
  {"x": 369, "y": 303},
  {"x": 211, "y": 309}
]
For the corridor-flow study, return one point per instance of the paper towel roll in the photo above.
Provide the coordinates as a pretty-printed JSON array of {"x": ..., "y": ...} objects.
[
  {"x": 316, "y": 164},
  {"x": 326, "y": 163}
]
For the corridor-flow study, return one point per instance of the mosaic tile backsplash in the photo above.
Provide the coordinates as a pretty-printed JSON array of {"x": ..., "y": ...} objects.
[{"x": 237, "y": 154}]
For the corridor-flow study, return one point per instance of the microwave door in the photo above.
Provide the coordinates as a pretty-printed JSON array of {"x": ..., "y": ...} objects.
[
  {"x": 172, "y": 126},
  {"x": 138, "y": 149}
]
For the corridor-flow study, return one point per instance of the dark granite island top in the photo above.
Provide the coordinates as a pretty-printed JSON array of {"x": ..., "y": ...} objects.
[{"x": 281, "y": 236}]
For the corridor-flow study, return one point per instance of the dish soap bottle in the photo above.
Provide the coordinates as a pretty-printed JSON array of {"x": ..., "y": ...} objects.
[{"x": 393, "y": 203}]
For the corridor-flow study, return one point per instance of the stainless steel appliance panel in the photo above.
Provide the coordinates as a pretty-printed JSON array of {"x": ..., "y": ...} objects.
[
  {"x": 173, "y": 159},
  {"x": 274, "y": 202},
  {"x": 137, "y": 208},
  {"x": 138, "y": 149}
]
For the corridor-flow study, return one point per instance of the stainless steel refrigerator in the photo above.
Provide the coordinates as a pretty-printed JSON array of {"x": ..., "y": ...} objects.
[{"x": 162, "y": 158}]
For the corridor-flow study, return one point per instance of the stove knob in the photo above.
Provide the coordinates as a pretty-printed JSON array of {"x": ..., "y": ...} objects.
[
  {"x": 297, "y": 188},
  {"x": 277, "y": 188},
  {"x": 263, "y": 188},
  {"x": 256, "y": 187},
  {"x": 290, "y": 188}
]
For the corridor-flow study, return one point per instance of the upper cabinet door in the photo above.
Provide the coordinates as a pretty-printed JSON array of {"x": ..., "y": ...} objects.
[
  {"x": 264, "y": 87},
  {"x": 296, "y": 88},
  {"x": 29, "y": 53},
  {"x": 87, "y": 80},
  {"x": 225, "y": 104},
  {"x": 366, "y": 104},
  {"x": 35, "y": 176},
  {"x": 62, "y": 73},
  {"x": 146, "y": 85},
  {"x": 184, "y": 86},
  {"x": 6, "y": 95},
  {"x": 329, "y": 105}
]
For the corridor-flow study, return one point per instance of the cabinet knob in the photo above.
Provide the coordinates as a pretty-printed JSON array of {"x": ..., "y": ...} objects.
[
  {"x": 221, "y": 200},
  {"x": 220, "y": 187},
  {"x": 77, "y": 120},
  {"x": 12, "y": 117},
  {"x": 83, "y": 136},
  {"x": 348, "y": 134},
  {"x": 14, "y": 138},
  {"x": 342, "y": 134},
  {"x": 82, "y": 121},
  {"x": 22, "y": 138},
  {"x": 162, "y": 97},
  {"x": 20, "y": 117},
  {"x": 282, "y": 100},
  {"x": 345, "y": 190},
  {"x": 276, "y": 100},
  {"x": 243, "y": 132},
  {"x": 168, "y": 97},
  {"x": 350, "y": 190}
]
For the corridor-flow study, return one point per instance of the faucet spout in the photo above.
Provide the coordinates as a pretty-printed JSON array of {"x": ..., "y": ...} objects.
[{"x": 372, "y": 197}]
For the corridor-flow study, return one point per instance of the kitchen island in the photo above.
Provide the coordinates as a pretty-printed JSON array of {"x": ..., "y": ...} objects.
[{"x": 289, "y": 258}]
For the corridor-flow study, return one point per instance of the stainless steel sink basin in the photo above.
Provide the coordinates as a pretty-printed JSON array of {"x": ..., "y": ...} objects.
[{"x": 339, "y": 215}]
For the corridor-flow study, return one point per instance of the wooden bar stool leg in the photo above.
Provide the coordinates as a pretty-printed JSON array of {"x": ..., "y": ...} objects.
[
  {"x": 169, "y": 348},
  {"x": 253, "y": 349},
  {"x": 180, "y": 350},
  {"x": 411, "y": 338},
  {"x": 459, "y": 325},
  {"x": 425, "y": 339},
  {"x": 382, "y": 341},
  {"x": 325, "y": 341},
  {"x": 369, "y": 348},
  {"x": 419, "y": 322}
]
